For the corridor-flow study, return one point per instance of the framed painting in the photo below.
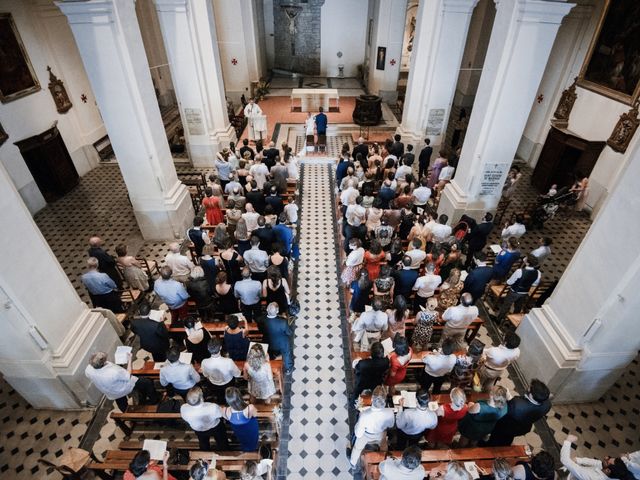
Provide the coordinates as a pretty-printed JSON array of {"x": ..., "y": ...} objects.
[
  {"x": 612, "y": 65},
  {"x": 381, "y": 59},
  {"x": 17, "y": 77}
]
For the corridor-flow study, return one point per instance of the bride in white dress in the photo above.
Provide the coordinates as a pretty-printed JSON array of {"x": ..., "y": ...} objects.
[{"x": 310, "y": 130}]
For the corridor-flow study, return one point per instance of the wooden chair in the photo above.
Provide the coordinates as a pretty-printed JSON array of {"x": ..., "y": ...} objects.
[{"x": 72, "y": 464}]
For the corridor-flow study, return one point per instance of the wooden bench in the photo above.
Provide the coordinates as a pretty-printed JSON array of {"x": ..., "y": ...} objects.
[
  {"x": 497, "y": 293},
  {"x": 515, "y": 319},
  {"x": 137, "y": 414},
  {"x": 482, "y": 456},
  {"x": 216, "y": 329},
  {"x": 441, "y": 398},
  {"x": 116, "y": 461}
]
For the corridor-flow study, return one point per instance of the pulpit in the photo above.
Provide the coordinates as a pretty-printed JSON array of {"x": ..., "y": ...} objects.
[{"x": 368, "y": 110}]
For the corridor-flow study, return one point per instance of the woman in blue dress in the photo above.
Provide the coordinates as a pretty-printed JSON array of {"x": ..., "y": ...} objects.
[
  {"x": 236, "y": 342},
  {"x": 242, "y": 418},
  {"x": 360, "y": 292}
]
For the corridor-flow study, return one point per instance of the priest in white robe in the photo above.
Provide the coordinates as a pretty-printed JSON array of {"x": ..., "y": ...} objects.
[{"x": 253, "y": 113}]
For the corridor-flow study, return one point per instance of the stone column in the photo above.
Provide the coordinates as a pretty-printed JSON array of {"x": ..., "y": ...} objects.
[
  {"x": 521, "y": 40},
  {"x": 110, "y": 44},
  {"x": 441, "y": 33},
  {"x": 584, "y": 336},
  {"x": 388, "y": 25},
  {"x": 48, "y": 333},
  {"x": 189, "y": 32}
]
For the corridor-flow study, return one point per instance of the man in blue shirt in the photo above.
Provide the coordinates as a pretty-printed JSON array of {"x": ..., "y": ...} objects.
[
  {"x": 249, "y": 292},
  {"x": 279, "y": 336},
  {"x": 386, "y": 194},
  {"x": 102, "y": 289},
  {"x": 284, "y": 234},
  {"x": 405, "y": 278},
  {"x": 173, "y": 294},
  {"x": 477, "y": 280}
]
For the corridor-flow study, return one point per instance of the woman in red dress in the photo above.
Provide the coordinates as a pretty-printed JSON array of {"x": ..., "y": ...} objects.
[
  {"x": 372, "y": 259},
  {"x": 142, "y": 467},
  {"x": 398, "y": 362},
  {"x": 449, "y": 416},
  {"x": 212, "y": 208}
]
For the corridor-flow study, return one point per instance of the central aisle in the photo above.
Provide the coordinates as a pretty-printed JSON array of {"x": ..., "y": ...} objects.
[{"x": 319, "y": 417}]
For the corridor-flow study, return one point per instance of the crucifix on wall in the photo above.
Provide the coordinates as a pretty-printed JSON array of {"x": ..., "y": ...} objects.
[{"x": 292, "y": 12}]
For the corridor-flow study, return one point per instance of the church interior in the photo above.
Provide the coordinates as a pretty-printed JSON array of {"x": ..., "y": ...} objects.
[{"x": 269, "y": 239}]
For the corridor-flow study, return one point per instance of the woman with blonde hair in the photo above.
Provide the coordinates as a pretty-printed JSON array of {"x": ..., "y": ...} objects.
[
  {"x": 132, "y": 269},
  {"x": 483, "y": 416},
  {"x": 449, "y": 416},
  {"x": 243, "y": 236},
  {"x": 450, "y": 290},
  {"x": 456, "y": 471},
  {"x": 257, "y": 370}
]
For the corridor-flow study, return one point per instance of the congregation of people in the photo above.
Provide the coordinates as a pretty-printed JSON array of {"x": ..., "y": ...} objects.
[{"x": 234, "y": 267}]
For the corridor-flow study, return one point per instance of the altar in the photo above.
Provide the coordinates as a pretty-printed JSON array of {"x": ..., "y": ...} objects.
[{"x": 311, "y": 99}]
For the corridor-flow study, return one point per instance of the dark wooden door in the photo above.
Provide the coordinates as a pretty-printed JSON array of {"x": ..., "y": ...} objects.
[
  {"x": 49, "y": 162},
  {"x": 563, "y": 156}
]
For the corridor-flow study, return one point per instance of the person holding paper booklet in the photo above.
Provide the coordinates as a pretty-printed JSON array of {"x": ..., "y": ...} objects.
[
  {"x": 201, "y": 470},
  {"x": 196, "y": 339},
  {"x": 448, "y": 417},
  {"x": 153, "y": 334},
  {"x": 369, "y": 326},
  {"x": 116, "y": 383},
  {"x": 182, "y": 376},
  {"x": 399, "y": 361},
  {"x": 483, "y": 416},
  {"x": 143, "y": 468},
  {"x": 412, "y": 422},
  {"x": 236, "y": 342}
]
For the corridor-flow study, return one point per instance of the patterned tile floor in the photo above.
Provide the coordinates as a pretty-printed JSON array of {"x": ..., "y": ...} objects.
[{"x": 319, "y": 421}]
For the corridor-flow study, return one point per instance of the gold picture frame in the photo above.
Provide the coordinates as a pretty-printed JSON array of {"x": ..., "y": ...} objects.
[
  {"x": 17, "y": 76},
  {"x": 607, "y": 67}
]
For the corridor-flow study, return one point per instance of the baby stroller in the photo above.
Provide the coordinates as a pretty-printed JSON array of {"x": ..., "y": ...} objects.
[{"x": 547, "y": 207}]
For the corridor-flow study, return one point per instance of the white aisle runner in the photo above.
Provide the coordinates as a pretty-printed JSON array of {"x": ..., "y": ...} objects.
[{"x": 319, "y": 418}]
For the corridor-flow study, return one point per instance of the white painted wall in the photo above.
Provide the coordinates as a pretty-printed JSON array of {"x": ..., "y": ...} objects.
[
  {"x": 48, "y": 41},
  {"x": 343, "y": 29}
]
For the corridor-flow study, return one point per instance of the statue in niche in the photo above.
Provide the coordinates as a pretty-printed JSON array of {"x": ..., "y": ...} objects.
[
  {"x": 624, "y": 130},
  {"x": 568, "y": 98},
  {"x": 59, "y": 93}
]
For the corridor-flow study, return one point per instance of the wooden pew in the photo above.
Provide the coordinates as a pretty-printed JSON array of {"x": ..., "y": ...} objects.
[
  {"x": 116, "y": 461},
  {"x": 441, "y": 398},
  {"x": 482, "y": 456},
  {"x": 137, "y": 414},
  {"x": 216, "y": 329}
]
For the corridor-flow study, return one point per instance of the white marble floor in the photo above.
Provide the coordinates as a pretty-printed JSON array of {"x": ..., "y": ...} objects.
[{"x": 319, "y": 415}]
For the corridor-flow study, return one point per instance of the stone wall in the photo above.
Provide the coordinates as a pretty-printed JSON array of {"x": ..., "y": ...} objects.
[{"x": 304, "y": 55}]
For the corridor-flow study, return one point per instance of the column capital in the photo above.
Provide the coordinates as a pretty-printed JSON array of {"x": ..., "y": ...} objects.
[
  {"x": 581, "y": 12},
  {"x": 91, "y": 11},
  {"x": 459, "y": 6},
  {"x": 542, "y": 11}
]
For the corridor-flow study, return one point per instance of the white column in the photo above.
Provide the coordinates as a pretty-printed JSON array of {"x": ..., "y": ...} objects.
[
  {"x": 108, "y": 38},
  {"x": 521, "y": 40},
  {"x": 441, "y": 33},
  {"x": 389, "y": 18},
  {"x": 188, "y": 29},
  {"x": 584, "y": 336},
  {"x": 565, "y": 62},
  {"x": 37, "y": 296}
]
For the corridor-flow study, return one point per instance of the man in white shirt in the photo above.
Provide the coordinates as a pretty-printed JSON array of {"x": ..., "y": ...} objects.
[
  {"x": 372, "y": 425},
  {"x": 441, "y": 231},
  {"x": 116, "y": 382},
  {"x": 517, "y": 229},
  {"x": 348, "y": 195},
  {"x": 402, "y": 171},
  {"x": 291, "y": 210},
  {"x": 590, "y": 468},
  {"x": 437, "y": 366},
  {"x": 412, "y": 423},
  {"x": 205, "y": 419},
  {"x": 250, "y": 217},
  {"x": 543, "y": 251},
  {"x": 425, "y": 286},
  {"x": 446, "y": 174},
  {"x": 369, "y": 326},
  {"x": 497, "y": 359},
  {"x": 421, "y": 194},
  {"x": 182, "y": 376},
  {"x": 520, "y": 282},
  {"x": 180, "y": 265},
  {"x": 259, "y": 171},
  {"x": 220, "y": 371},
  {"x": 257, "y": 260},
  {"x": 349, "y": 179},
  {"x": 408, "y": 468},
  {"x": 416, "y": 253},
  {"x": 458, "y": 319}
]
